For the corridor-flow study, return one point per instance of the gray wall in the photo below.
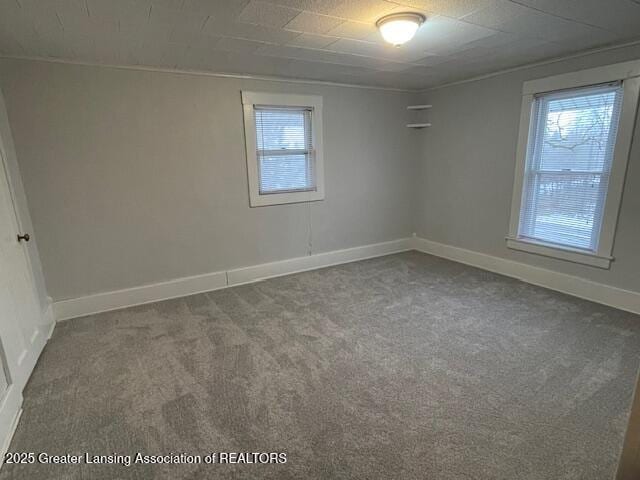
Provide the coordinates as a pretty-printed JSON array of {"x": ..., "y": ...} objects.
[
  {"x": 135, "y": 177},
  {"x": 465, "y": 174}
]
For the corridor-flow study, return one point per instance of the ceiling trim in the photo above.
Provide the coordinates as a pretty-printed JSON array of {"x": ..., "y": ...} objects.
[
  {"x": 268, "y": 78},
  {"x": 532, "y": 65},
  {"x": 265, "y": 78}
]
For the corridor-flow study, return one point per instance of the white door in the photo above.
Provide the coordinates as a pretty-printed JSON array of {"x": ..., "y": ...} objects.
[{"x": 19, "y": 312}]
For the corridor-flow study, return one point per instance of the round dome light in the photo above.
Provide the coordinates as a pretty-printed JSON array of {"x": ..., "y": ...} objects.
[{"x": 399, "y": 28}]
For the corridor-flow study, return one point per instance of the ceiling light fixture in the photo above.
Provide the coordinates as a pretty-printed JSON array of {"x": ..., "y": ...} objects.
[{"x": 399, "y": 28}]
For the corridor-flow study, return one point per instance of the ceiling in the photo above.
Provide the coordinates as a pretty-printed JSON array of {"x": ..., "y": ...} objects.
[{"x": 327, "y": 40}]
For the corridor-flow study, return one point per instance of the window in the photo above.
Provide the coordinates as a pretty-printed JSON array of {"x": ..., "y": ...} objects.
[
  {"x": 568, "y": 162},
  {"x": 575, "y": 136},
  {"x": 284, "y": 149},
  {"x": 283, "y": 135}
]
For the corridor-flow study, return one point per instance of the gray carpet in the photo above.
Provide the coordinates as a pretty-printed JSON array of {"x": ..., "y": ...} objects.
[{"x": 401, "y": 367}]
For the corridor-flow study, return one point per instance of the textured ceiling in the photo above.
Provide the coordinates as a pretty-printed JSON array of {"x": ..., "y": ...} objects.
[{"x": 329, "y": 40}]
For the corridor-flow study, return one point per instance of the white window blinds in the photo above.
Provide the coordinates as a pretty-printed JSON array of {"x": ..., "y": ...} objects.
[
  {"x": 284, "y": 149},
  {"x": 569, "y": 158}
]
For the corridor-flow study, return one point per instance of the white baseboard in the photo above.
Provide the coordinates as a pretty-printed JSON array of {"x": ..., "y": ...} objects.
[
  {"x": 254, "y": 273},
  {"x": 7, "y": 441},
  {"x": 561, "y": 282},
  {"x": 114, "y": 300}
]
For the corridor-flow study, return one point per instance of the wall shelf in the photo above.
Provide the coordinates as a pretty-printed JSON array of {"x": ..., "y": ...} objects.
[{"x": 419, "y": 119}]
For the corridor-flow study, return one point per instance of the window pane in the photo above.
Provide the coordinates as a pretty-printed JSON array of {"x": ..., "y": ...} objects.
[
  {"x": 278, "y": 129},
  {"x": 565, "y": 206},
  {"x": 285, "y": 173},
  {"x": 569, "y": 156},
  {"x": 284, "y": 143},
  {"x": 577, "y": 130}
]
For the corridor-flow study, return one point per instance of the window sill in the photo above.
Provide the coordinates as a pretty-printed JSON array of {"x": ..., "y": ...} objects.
[
  {"x": 567, "y": 254},
  {"x": 263, "y": 200}
]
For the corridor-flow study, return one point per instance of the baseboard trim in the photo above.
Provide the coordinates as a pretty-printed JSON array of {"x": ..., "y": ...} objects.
[
  {"x": 256, "y": 273},
  {"x": 561, "y": 282},
  {"x": 7, "y": 441},
  {"x": 180, "y": 287},
  {"x": 129, "y": 297},
  {"x": 571, "y": 285}
]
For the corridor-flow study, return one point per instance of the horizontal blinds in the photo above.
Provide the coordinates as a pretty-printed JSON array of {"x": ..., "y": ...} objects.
[
  {"x": 284, "y": 149},
  {"x": 569, "y": 157}
]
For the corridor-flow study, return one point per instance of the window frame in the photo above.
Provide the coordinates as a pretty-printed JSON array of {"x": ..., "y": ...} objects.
[
  {"x": 629, "y": 74},
  {"x": 280, "y": 100}
]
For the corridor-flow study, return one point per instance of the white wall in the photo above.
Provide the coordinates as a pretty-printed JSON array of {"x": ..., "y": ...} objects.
[
  {"x": 465, "y": 174},
  {"x": 135, "y": 177}
]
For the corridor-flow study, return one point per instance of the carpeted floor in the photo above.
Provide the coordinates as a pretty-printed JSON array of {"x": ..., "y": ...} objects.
[{"x": 401, "y": 367}]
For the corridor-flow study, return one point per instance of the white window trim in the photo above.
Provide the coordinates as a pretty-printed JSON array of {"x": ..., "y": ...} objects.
[
  {"x": 249, "y": 100},
  {"x": 629, "y": 74}
]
